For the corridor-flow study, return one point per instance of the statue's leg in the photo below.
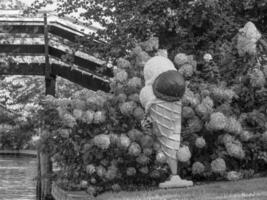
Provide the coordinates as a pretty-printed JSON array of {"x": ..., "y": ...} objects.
[
  {"x": 175, "y": 181},
  {"x": 173, "y": 164}
]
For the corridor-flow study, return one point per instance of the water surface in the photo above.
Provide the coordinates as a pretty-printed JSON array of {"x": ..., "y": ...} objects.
[{"x": 17, "y": 175}]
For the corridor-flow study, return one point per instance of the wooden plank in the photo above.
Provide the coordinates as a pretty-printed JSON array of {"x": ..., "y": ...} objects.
[
  {"x": 82, "y": 78},
  {"x": 28, "y": 29},
  {"x": 90, "y": 66},
  {"x": 21, "y": 49},
  {"x": 67, "y": 46}
]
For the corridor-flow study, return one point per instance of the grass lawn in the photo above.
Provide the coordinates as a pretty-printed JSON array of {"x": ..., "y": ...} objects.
[{"x": 255, "y": 189}]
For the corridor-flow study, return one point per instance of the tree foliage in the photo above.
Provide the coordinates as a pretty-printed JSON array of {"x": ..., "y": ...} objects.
[{"x": 181, "y": 25}]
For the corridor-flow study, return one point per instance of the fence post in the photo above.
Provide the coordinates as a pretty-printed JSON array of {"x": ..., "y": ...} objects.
[{"x": 44, "y": 185}]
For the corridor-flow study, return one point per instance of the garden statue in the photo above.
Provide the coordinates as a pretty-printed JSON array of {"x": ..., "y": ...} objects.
[{"x": 161, "y": 98}]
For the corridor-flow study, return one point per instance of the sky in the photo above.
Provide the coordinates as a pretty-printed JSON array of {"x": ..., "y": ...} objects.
[
  {"x": 53, "y": 7},
  {"x": 29, "y": 2}
]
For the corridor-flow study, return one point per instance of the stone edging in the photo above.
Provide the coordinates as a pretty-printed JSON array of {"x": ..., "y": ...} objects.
[
  {"x": 60, "y": 194},
  {"x": 19, "y": 152}
]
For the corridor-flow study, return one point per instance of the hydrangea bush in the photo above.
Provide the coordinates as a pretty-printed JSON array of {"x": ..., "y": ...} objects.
[{"x": 97, "y": 142}]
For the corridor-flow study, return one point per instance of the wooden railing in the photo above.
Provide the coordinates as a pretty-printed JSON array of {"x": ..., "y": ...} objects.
[{"x": 22, "y": 38}]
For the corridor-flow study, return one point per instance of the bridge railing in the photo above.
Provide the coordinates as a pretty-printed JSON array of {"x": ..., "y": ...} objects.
[{"x": 23, "y": 38}]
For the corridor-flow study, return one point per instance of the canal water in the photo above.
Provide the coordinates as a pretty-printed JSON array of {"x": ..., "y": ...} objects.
[{"x": 17, "y": 175}]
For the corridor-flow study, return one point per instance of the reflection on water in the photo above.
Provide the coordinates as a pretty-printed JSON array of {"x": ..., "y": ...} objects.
[{"x": 16, "y": 178}]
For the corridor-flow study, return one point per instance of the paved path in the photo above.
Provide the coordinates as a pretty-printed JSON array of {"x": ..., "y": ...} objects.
[{"x": 253, "y": 189}]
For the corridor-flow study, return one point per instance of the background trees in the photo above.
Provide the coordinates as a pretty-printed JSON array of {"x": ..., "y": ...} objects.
[{"x": 181, "y": 25}]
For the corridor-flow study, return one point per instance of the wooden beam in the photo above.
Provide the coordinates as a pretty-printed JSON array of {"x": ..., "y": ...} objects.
[
  {"x": 50, "y": 79},
  {"x": 85, "y": 64},
  {"x": 28, "y": 29},
  {"x": 22, "y": 69},
  {"x": 21, "y": 49},
  {"x": 84, "y": 79}
]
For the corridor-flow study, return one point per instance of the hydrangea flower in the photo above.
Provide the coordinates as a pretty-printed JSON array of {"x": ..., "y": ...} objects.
[
  {"x": 124, "y": 141},
  {"x": 184, "y": 154},
  {"x": 114, "y": 138},
  {"x": 122, "y": 97},
  {"x": 233, "y": 126},
  {"x": 235, "y": 150},
  {"x": 194, "y": 125},
  {"x": 102, "y": 141},
  {"x": 151, "y": 44},
  {"x": 226, "y": 138},
  {"x": 218, "y": 165},
  {"x": 222, "y": 94},
  {"x": 135, "y": 135},
  {"x": 139, "y": 113},
  {"x": 156, "y": 146},
  {"x": 35, "y": 139},
  {"x": 263, "y": 137},
  {"x": 257, "y": 78},
  {"x": 79, "y": 104},
  {"x": 180, "y": 59},
  {"x": 99, "y": 117},
  {"x": 217, "y": 122},
  {"x": 142, "y": 159},
  {"x": 135, "y": 82},
  {"x": 155, "y": 174},
  {"x": 205, "y": 108},
  {"x": 121, "y": 76},
  {"x": 200, "y": 142},
  {"x": 233, "y": 176},
  {"x": 144, "y": 170},
  {"x": 134, "y": 97},
  {"x": 127, "y": 107},
  {"x": 61, "y": 111},
  {"x": 88, "y": 116},
  {"x": 84, "y": 184},
  {"x": 90, "y": 169},
  {"x": 101, "y": 171},
  {"x": 147, "y": 141},
  {"x": 69, "y": 120},
  {"x": 161, "y": 157},
  {"x": 141, "y": 59},
  {"x": 148, "y": 151},
  {"x": 77, "y": 113},
  {"x": 245, "y": 136},
  {"x": 162, "y": 52},
  {"x": 123, "y": 63},
  {"x": 116, "y": 187},
  {"x": 131, "y": 171},
  {"x": 207, "y": 57},
  {"x": 198, "y": 168},
  {"x": 111, "y": 173},
  {"x": 190, "y": 99},
  {"x": 188, "y": 112},
  {"x": 186, "y": 70},
  {"x": 65, "y": 133},
  {"x": 134, "y": 149}
]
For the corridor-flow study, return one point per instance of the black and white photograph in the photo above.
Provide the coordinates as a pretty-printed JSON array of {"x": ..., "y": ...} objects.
[{"x": 133, "y": 99}]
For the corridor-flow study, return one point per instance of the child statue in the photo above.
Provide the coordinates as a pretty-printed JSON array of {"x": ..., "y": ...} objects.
[{"x": 161, "y": 98}]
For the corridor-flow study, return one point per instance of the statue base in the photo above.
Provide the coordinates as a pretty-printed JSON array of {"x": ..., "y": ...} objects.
[{"x": 176, "y": 182}]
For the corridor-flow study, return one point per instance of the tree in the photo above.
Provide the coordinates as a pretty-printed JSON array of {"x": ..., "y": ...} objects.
[{"x": 181, "y": 25}]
